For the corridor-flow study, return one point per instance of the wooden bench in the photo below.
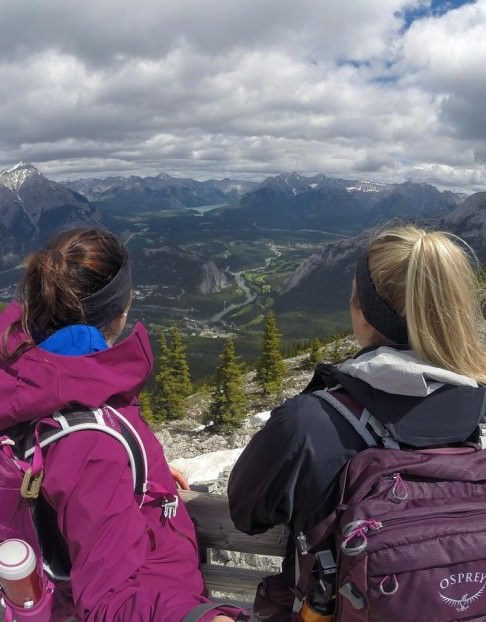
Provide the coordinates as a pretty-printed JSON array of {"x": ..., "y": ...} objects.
[{"x": 216, "y": 532}]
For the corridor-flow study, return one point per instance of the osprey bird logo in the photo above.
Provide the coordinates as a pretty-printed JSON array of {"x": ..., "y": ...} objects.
[{"x": 463, "y": 603}]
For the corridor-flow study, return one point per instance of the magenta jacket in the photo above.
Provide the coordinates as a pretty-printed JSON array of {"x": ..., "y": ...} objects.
[{"x": 126, "y": 566}]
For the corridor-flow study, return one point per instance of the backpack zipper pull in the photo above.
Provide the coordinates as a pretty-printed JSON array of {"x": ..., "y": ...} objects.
[
  {"x": 356, "y": 533},
  {"x": 399, "y": 490}
]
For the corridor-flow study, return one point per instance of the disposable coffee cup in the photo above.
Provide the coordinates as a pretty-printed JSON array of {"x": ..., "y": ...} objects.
[{"x": 19, "y": 578}]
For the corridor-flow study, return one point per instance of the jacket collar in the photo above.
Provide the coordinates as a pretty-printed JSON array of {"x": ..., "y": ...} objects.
[
  {"x": 40, "y": 382},
  {"x": 449, "y": 413}
]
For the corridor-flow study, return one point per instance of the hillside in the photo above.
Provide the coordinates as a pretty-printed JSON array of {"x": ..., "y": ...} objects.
[
  {"x": 323, "y": 281},
  {"x": 186, "y": 440}
]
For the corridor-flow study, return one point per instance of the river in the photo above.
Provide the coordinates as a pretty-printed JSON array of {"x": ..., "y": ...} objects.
[{"x": 249, "y": 297}]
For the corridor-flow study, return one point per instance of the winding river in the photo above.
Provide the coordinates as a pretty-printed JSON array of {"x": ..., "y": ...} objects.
[{"x": 249, "y": 297}]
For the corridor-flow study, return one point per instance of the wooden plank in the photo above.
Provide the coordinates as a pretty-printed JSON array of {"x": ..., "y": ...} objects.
[
  {"x": 215, "y": 528},
  {"x": 241, "y": 582}
]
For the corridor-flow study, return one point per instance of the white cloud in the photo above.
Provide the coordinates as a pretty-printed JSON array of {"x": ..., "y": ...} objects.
[{"x": 209, "y": 88}]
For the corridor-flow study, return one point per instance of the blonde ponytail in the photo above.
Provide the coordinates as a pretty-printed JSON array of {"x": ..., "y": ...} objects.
[{"x": 428, "y": 277}]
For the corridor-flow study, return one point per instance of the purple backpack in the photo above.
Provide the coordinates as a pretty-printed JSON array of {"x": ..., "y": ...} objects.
[
  {"x": 409, "y": 533},
  {"x": 21, "y": 507},
  {"x": 25, "y": 516}
]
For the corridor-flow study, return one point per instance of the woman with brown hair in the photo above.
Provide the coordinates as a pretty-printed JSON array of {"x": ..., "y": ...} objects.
[{"x": 128, "y": 560}]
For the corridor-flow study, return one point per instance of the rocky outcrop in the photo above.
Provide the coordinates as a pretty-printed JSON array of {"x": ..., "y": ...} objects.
[
  {"x": 323, "y": 282},
  {"x": 213, "y": 279}
]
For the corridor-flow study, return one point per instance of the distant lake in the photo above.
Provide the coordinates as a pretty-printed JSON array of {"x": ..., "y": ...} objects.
[{"x": 202, "y": 209}]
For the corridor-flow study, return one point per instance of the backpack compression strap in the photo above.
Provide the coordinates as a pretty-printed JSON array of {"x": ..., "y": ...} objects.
[{"x": 105, "y": 419}]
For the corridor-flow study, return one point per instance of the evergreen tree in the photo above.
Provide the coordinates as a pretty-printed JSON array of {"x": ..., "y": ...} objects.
[
  {"x": 145, "y": 400},
  {"x": 229, "y": 404},
  {"x": 163, "y": 394},
  {"x": 179, "y": 365},
  {"x": 270, "y": 367},
  {"x": 172, "y": 380},
  {"x": 314, "y": 352}
]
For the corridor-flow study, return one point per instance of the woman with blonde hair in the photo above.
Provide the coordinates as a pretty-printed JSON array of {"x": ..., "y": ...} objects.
[{"x": 421, "y": 373}]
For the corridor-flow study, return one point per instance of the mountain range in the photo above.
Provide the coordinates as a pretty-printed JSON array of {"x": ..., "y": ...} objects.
[
  {"x": 282, "y": 201},
  {"x": 160, "y": 211},
  {"x": 331, "y": 204},
  {"x": 32, "y": 206},
  {"x": 160, "y": 192},
  {"x": 306, "y": 289}
]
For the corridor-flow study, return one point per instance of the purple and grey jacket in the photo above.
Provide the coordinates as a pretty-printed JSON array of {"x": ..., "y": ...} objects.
[{"x": 126, "y": 565}]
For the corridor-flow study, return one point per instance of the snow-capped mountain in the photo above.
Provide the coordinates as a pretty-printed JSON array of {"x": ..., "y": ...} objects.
[
  {"x": 32, "y": 207},
  {"x": 292, "y": 201}
]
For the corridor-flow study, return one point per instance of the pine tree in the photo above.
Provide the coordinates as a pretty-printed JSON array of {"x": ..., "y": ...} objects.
[
  {"x": 270, "y": 367},
  {"x": 229, "y": 404},
  {"x": 180, "y": 367},
  {"x": 172, "y": 380},
  {"x": 163, "y": 394},
  {"x": 314, "y": 352},
  {"x": 145, "y": 400}
]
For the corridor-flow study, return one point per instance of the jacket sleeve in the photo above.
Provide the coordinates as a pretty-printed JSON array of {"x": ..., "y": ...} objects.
[
  {"x": 288, "y": 472},
  {"x": 113, "y": 577}
]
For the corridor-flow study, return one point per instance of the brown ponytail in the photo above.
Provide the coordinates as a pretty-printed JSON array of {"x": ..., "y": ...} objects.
[{"x": 74, "y": 265}]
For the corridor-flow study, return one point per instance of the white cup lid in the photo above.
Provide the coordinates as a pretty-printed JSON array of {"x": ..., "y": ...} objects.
[{"x": 17, "y": 559}]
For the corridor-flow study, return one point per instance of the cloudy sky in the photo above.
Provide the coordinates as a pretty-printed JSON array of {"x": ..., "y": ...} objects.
[{"x": 376, "y": 89}]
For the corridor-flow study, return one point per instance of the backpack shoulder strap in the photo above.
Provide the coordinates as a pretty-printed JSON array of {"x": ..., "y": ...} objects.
[
  {"x": 200, "y": 610},
  {"x": 307, "y": 543},
  {"x": 50, "y": 430},
  {"x": 361, "y": 423},
  {"x": 108, "y": 420}
]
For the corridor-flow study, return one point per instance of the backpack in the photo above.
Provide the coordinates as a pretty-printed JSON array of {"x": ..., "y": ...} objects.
[
  {"x": 409, "y": 534},
  {"x": 25, "y": 516}
]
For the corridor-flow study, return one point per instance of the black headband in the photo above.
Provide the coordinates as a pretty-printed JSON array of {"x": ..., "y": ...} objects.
[
  {"x": 377, "y": 311},
  {"x": 110, "y": 301}
]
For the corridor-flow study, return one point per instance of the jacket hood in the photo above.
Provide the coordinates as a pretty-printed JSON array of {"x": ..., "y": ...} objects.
[
  {"x": 401, "y": 372},
  {"x": 421, "y": 405},
  {"x": 39, "y": 382}
]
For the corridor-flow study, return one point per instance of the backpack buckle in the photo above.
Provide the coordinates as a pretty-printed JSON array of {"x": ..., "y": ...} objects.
[
  {"x": 302, "y": 544},
  {"x": 482, "y": 435},
  {"x": 169, "y": 505},
  {"x": 31, "y": 484}
]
